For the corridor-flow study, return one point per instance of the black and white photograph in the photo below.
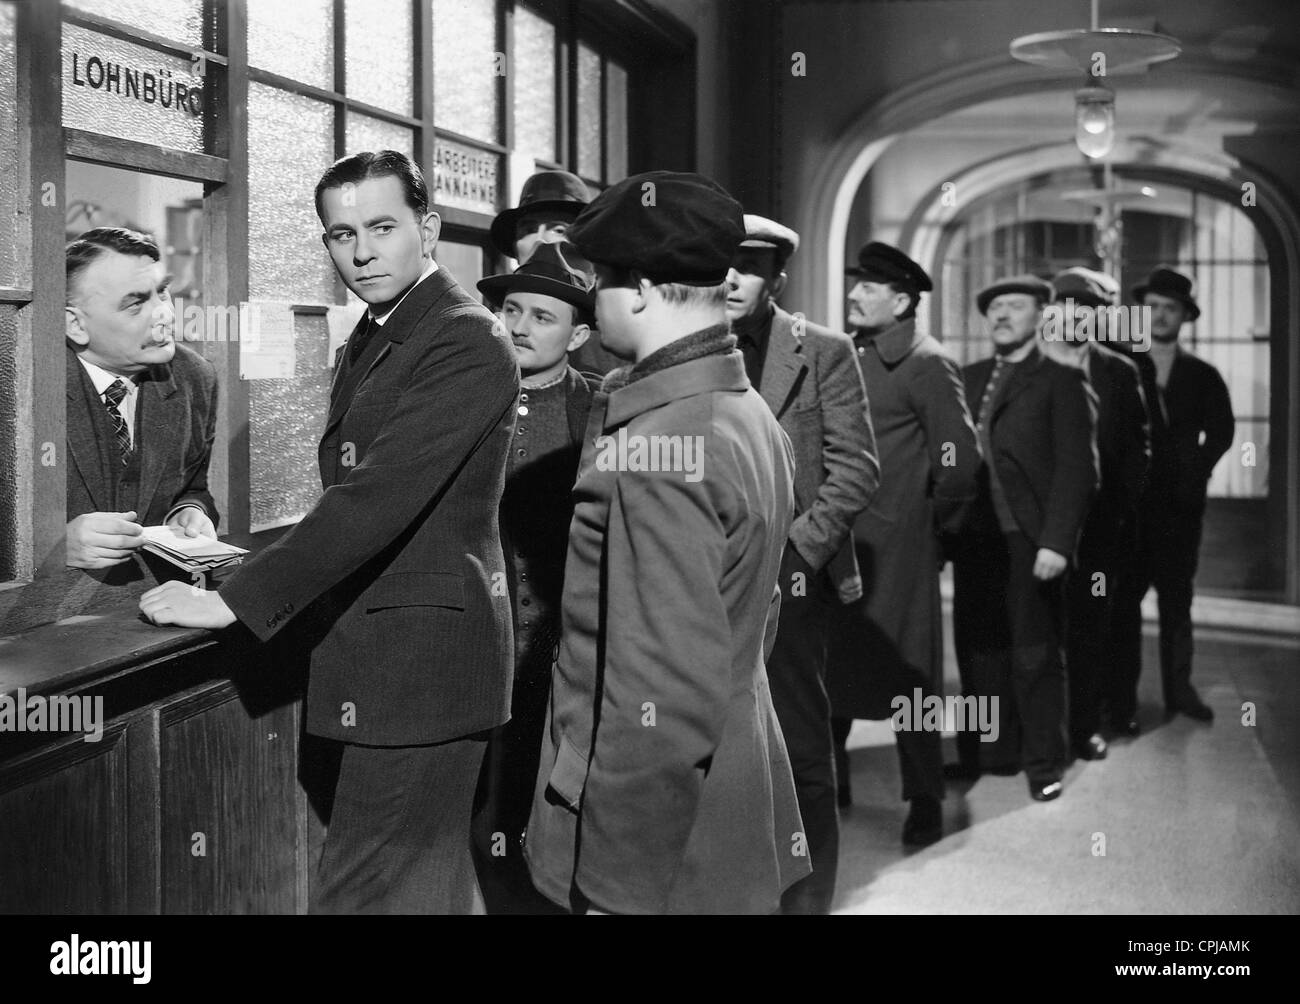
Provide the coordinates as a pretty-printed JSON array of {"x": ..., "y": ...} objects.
[{"x": 651, "y": 457}]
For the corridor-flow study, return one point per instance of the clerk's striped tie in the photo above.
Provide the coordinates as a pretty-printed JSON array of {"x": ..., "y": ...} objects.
[{"x": 112, "y": 399}]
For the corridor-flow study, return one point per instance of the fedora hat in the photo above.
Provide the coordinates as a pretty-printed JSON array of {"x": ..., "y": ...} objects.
[
  {"x": 1164, "y": 281},
  {"x": 554, "y": 270},
  {"x": 546, "y": 191}
]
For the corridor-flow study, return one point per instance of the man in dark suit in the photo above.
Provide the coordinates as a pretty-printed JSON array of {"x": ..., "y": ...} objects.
[
  {"x": 398, "y": 570},
  {"x": 142, "y": 410},
  {"x": 665, "y": 786},
  {"x": 1036, "y": 423},
  {"x": 1110, "y": 531},
  {"x": 807, "y": 376},
  {"x": 890, "y": 644},
  {"x": 1192, "y": 427},
  {"x": 547, "y": 306}
]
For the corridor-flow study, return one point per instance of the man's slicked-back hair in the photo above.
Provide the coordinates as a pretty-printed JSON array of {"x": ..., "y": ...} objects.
[
  {"x": 94, "y": 243},
  {"x": 357, "y": 167}
]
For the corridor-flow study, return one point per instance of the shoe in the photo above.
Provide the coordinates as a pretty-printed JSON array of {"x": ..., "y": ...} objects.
[
  {"x": 1191, "y": 705},
  {"x": 843, "y": 796},
  {"x": 924, "y": 824},
  {"x": 1044, "y": 791},
  {"x": 1092, "y": 748}
]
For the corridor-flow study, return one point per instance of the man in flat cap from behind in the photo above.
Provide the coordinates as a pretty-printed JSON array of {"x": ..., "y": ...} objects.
[
  {"x": 807, "y": 376},
  {"x": 665, "y": 786},
  {"x": 547, "y": 306},
  {"x": 548, "y": 204},
  {"x": 1192, "y": 428},
  {"x": 890, "y": 644},
  {"x": 1038, "y": 480},
  {"x": 1110, "y": 531}
]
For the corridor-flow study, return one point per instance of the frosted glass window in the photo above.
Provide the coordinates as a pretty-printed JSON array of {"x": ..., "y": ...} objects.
[
  {"x": 286, "y": 260},
  {"x": 615, "y": 123},
  {"x": 179, "y": 20},
  {"x": 285, "y": 419},
  {"x": 466, "y": 62},
  {"x": 9, "y": 537},
  {"x": 534, "y": 58},
  {"x": 364, "y": 132},
  {"x": 379, "y": 49},
  {"x": 589, "y": 124},
  {"x": 121, "y": 89},
  {"x": 295, "y": 40},
  {"x": 14, "y": 254}
]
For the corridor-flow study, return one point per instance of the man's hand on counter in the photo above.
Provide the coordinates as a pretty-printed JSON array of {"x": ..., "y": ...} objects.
[{"x": 186, "y": 606}]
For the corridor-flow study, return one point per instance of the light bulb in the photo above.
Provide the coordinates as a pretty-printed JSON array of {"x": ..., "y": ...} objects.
[{"x": 1094, "y": 121}]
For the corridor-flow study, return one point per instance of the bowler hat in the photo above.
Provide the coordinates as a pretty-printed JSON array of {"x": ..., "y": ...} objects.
[
  {"x": 1164, "y": 281},
  {"x": 879, "y": 262},
  {"x": 554, "y": 270},
  {"x": 546, "y": 191},
  {"x": 1085, "y": 286},
  {"x": 1030, "y": 285},
  {"x": 669, "y": 226}
]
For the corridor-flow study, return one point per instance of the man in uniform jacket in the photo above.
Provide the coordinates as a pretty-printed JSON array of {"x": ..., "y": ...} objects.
[
  {"x": 665, "y": 786},
  {"x": 1110, "y": 531},
  {"x": 1192, "y": 427},
  {"x": 142, "y": 410},
  {"x": 890, "y": 644},
  {"x": 547, "y": 306},
  {"x": 392, "y": 576},
  {"x": 807, "y": 376},
  {"x": 1036, "y": 423}
]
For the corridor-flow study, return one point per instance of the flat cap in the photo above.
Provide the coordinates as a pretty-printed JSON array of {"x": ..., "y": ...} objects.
[
  {"x": 1086, "y": 286},
  {"x": 1038, "y": 288},
  {"x": 880, "y": 262},
  {"x": 760, "y": 232},
  {"x": 671, "y": 227}
]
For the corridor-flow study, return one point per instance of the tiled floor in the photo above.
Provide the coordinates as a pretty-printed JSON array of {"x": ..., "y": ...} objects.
[{"x": 1192, "y": 818}]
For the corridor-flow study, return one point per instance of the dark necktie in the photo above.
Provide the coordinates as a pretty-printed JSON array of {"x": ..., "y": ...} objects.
[
  {"x": 363, "y": 339},
  {"x": 113, "y": 396}
]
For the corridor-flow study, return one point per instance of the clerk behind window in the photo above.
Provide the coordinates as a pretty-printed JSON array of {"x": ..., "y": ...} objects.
[{"x": 142, "y": 410}]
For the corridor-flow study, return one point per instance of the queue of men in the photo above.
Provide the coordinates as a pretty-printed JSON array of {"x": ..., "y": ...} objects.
[{"x": 715, "y": 557}]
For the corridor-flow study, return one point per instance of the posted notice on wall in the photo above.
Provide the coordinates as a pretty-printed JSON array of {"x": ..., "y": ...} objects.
[{"x": 266, "y": 349}]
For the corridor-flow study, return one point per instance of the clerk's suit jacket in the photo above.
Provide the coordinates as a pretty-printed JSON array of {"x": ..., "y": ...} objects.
[
  {"x": 1043, "y": 434},
  {"x": 175, "y": 421},
  {"x": 665, "y": 785},
  {"x": 393, "y": 571},
  {"x": 812, "y": 383}
]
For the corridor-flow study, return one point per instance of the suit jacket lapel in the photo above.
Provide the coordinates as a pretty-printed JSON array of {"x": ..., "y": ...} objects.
[
  {"x": 341, "y": 367},
  {"x": 89, "y": 455},
  {"x": 161, "y": 413},
  {"x": 784, "y": 363},
  {"x": 1020, "y": 378}
]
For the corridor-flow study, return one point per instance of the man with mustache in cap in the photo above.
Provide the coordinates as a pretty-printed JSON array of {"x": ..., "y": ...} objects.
[
  {"x": 891, "y": 644},
  {"x": 1110, "y": 531},
  {"x": 1036, "y": 422},
  {"x": 807, "y": 376},
  {"x": 1192, "y": 426},
  {"x": 547, "y": 306},
  {"x": 665, "y": 786},
  {"x": 548, "y": 204}
]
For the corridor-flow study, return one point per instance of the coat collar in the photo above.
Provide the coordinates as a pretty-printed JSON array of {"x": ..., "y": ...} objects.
[
  {"x": 724, "y": 372},
  {"x": 895, "y": 344},
  {"x": 397, "y": 327},
  {"x": 1022, "y": 375},
  {"x": 784, "y": 364}
]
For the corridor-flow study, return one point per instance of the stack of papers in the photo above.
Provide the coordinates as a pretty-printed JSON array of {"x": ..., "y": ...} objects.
[{"x": 194, "y": 554}]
